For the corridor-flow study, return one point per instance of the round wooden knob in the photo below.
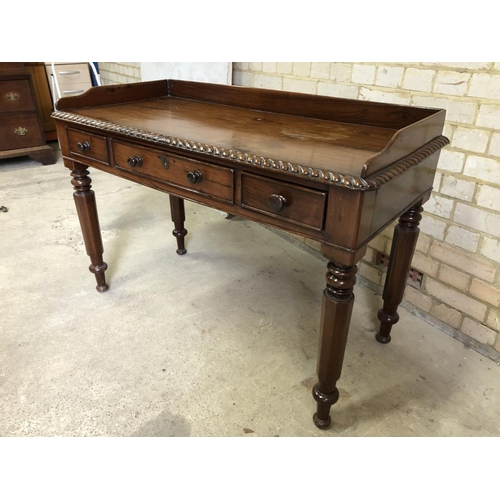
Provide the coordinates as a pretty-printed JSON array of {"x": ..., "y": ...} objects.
[
  {"x": 83, "y": 146},
  {"x": 134, "y": 161},
  {"x": 276, "y": 202},
  {"x": 194, "y": 177}
]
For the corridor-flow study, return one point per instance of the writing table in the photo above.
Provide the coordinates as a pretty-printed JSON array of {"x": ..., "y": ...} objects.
[{"x": 337, "y": 171}]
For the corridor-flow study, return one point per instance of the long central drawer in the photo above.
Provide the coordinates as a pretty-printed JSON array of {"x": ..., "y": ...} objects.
[{"x": 192, "y": 175}]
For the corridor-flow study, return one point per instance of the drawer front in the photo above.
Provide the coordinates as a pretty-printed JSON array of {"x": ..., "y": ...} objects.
[
  {"x": 15, "y": 96},
  {"x": 88, "y": 145},
  {"x": 70, "y": 73},
  {"x": 20, "y": 131},
  {"x": 283, "y": 200},
  {"x": 71, "y": 89},
  {"x": 197, "y": 177}
]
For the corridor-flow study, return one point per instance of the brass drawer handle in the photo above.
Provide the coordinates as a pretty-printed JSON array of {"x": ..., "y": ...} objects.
[
  {"x": 83, "y": 146},
  {"x": 134, "y": 161},
  {"x": 20, "y": 130},
  {"x": 12, "y": 96},
  {"x": 194, "y": 177},
  {"x": 276, "y": 202}
]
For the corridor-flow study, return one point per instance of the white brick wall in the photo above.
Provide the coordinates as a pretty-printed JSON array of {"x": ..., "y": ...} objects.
[
  {"x": 463, "y": 260},
  {"x": 480, "y": 167},
  {"x": 457, "y": 188},
  {"x": 338, "y": 90},
  {"x": 491, "y": 249},
  {"x": 462, "y": 238},
  {"x": 438, "y": 205},
  {"x": 458, "y": 110},
  {"x": 452, "y": 161},
  {"x": 296, "y": 85},
  {"x": 268, "y": 82},
  {"x": 340, "y": 72},
  {"x": 453, "y": 277},
  {"x": 495, "y": 145},
  {"x": 455, "y": 299},
  {"x": 377, "y": 95},
  {"x": 389, "y": 76},
  {"x": 470, "y": 139},
  {"x": 489, "y": 197},
  {"x": 320, "y": 70},
  {"x": 418, "y": 79},
  {"x": 489, "y": 116},
  {"x": 479, "y": 219},
  {"x": 451, "y": 83},
  {"x": 479, "y": 332},
  {"x": 118, "y": 72},
  {"x": 363, "y": 74},
  {"x": 447, "y": 314},
  {"x": 485, "y": 85}
]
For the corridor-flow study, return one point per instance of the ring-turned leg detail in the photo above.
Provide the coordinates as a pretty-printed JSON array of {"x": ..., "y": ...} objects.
[
  {"x": 89, "y": 221},
  {"x": 178, "y": 218},
  {"x": 403, "y": 246},
  {"x": 338, "y": 299},
  {"x": 322, "y": 417},
  {"x": 98, "y": 270}
]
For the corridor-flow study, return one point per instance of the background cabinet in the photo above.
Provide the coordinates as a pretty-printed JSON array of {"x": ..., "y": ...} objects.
[
  {"x": 43, "y": 98},
  {"x": 68, "y": 79},
  {"x": 73, "y": 79},
  {"x": 21, "y": 129}
]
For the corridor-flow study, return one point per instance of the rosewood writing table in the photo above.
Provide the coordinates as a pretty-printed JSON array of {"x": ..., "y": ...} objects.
[{"x": 334, "y": 170}]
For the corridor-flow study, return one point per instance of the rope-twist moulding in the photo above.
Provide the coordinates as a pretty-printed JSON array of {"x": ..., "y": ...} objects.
[{"x": 347, "y": 181}]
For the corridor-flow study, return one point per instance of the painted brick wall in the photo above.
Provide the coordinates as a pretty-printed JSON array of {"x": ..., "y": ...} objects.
[
  {"x": 119, "y": 72},
  {"x": 459, "y": 244}
]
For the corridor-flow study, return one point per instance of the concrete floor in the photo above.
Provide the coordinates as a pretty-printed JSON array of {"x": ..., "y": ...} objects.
[{"x": 219, "y": 342}]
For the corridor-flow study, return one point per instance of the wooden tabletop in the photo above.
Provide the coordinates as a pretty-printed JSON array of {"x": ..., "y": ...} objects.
[
  {"x": 311, "y": 142},
  {"x": 339, "y": 136}
]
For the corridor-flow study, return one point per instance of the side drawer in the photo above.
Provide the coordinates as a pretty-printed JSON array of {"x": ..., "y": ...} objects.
[
  {"x": 20, "y": 131},
  {"x": 195, "y": 176},
  {"x": 88, "y": 145},
  {"x": 301, "y": 205},
  {"x": 15, "y": 96}
]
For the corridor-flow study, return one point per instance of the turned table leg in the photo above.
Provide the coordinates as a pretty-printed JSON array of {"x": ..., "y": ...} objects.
[
  {"x": 403, "y": 246},
  {"x": 178, "y": 218},
  {"x": 89, "y": 222},
  {"x": 338, "y": 299}
]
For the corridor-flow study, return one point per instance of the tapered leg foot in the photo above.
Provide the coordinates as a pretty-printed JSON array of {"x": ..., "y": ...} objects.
[
  {"x": 89, "y": 221},
  {"x": 383, "y": 339},
  {"x": 178, "y": 218},
  {"x": 322, "y": 418},
  {"x": 98, "y": 271},
  {"x": 338, "y": 299},
  {"x": 403, "y": 247},
  {"x": 386, "y": 321},
  {"x": 181, "y": 250}
]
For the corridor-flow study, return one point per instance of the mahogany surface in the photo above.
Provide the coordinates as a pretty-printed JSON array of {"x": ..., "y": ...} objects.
[{"x": 334, "y": 170}]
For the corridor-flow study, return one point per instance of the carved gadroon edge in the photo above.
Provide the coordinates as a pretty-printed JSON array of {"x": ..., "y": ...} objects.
[{"x": 342, "y": 180}]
